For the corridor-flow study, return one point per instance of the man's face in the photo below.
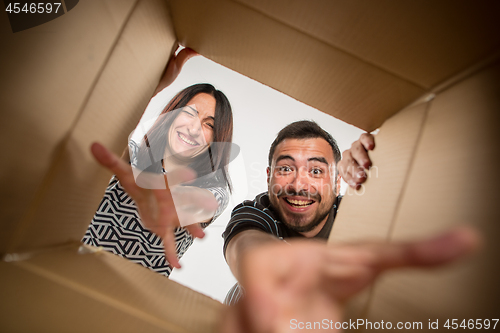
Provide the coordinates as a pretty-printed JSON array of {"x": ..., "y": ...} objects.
[{"x": 301, "y": 182}]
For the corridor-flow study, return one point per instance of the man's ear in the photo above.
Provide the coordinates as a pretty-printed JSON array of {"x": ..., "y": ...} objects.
[
  {"x": 337, "y": 185},
  {"x": 268, "y": 171}
]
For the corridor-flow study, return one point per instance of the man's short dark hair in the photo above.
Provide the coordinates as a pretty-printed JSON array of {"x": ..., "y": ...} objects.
[{"x": 304, "y": 129}]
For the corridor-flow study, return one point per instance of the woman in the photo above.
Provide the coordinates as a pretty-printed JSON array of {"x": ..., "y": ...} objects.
[{"x": 141, "y": 223}]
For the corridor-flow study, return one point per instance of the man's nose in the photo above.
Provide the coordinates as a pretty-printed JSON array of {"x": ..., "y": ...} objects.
[{"x": 301, "y": 180}]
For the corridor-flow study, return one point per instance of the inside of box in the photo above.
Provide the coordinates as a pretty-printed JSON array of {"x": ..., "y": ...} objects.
[{"x": 67, "y": 80}]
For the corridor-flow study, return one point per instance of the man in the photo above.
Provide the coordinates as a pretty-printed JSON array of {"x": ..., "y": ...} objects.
[
  {"x": 302, "y": 197},
  {"x": 269, "y": 242}
]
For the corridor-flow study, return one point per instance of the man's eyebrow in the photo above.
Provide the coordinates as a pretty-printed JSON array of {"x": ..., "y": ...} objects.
[
  {"x": 284, "y": 157},
  {"x": 318, "y": 159}
]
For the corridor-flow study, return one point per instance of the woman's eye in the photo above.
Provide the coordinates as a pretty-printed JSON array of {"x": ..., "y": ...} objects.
[
  {"x": 210, "y": 125},
  {"x": 188, "y": 113}
]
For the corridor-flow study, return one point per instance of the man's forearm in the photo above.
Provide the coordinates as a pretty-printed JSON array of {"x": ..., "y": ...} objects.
[{"x": 242, "y": 243}]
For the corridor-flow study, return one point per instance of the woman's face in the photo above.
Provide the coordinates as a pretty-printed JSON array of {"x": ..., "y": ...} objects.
[{"x": 193, "y": 130}]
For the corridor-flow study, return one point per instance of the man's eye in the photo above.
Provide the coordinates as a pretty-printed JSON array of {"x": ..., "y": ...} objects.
[
  {"x": 284, "y": 169},
  {"x": 316, "y": 172}
]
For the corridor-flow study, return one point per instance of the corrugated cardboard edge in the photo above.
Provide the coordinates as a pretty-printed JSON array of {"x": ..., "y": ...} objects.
[
  {"x": 373, "y": 303},
  {"x": 99, "y": 280}
]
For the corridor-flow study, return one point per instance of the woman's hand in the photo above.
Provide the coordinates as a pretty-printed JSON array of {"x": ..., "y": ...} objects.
[
  {"x": 173, "y": 68},
  {"x": 155, "y": 203},
  {"x": 187, "y": 201}
]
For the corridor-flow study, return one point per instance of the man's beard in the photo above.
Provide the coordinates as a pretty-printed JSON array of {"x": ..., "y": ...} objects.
[{"x": 293, "y": 221}]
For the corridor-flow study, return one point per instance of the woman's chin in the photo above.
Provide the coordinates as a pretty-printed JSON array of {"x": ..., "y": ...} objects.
[{"x": 187, "y": 153}]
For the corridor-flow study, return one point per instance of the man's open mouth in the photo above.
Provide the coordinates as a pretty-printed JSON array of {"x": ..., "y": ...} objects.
[
  {"x": 299, "y": 202},
  {"x": 187, "y": 140}
]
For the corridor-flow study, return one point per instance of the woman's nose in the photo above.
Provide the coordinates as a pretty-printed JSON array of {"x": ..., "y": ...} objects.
[{"x": 194, "y": 127}]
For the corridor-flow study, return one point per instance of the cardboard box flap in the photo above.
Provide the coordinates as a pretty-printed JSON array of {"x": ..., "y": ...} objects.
[
  {"x": 451, "y": 183},
  {"x": 52, "y": 199},
  {"x": 448, "y": 181},
  {"x": 46, "y": 78},
  {"x": 347, "y": 59},
  {"x": 66, "y": 290},
  {"x": 380, "y": 195},
  {"x": 424, "y": 42},
  {"x": 291, "y": 61}
]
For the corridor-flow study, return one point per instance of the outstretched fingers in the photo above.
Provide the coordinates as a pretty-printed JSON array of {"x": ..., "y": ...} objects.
[
  {"x": 195, "y": 230},
  {"x": 166, "y": 222},
  {"x": 442, "y": 249},
  {"x": 117, "y": 166},
  {"x": 351, "y": 268},
  {"x": 107, "y": 159},
  {"x": 169, "y": 247},
  {"x": 438, "y": 250}
]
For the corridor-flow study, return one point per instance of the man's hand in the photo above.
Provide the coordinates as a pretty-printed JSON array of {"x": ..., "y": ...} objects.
[
  {"x": 309, "y": 281},
  {"x": 156, "y": 206},
  {"x": 356, "y": 160}
]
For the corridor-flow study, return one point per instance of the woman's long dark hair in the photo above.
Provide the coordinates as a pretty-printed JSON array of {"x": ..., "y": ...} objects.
[{"x": 213, "y": 162}]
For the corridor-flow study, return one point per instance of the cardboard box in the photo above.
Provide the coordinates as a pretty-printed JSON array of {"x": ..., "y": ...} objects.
[{"x": 64, "y": 82}]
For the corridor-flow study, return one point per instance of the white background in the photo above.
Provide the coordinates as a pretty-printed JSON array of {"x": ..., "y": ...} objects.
[{"x": 259, "y": 113}]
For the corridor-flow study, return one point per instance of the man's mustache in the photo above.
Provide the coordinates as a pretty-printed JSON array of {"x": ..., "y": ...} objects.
[{"x": 284, "y": 192}]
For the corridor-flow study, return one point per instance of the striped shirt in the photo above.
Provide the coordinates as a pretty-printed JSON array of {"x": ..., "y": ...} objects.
[
  {"x": 117, "y": 228},
  {"x": 260, "y": 215}
]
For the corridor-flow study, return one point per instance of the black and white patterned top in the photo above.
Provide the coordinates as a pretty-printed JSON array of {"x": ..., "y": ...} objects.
[
  {"x": 117, "y": 228},
  {"x": 259, "y": 215}
]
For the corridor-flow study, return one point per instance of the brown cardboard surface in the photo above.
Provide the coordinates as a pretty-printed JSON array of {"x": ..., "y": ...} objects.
[
  {"x": 291, "y": 61},
  {"x": 369, "y": 213},
  {"x": 62, "y": 290},
  {"x": 75, "y": 80},
  {"x": 452, "y": 182},
  {"x": 344, "y": 58},
  {"x": 46, "y": 73},
  {"x": 379, "y": 196},
  {"x": 72, "y": 188},
  {"x": 434, "y": 171},
  {"x": 31, "y": 303},
  {"x": 57, "y": 289},
  {"x": 391, "y": 161},
  {"x": 423, "y": 42}
]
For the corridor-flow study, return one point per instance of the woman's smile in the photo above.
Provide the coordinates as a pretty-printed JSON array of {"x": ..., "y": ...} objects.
[{"x": 187, "y": 139}]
